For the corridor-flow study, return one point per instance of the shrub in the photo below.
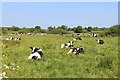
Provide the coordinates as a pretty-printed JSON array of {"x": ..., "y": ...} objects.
[{"x": 58, "y": 31}]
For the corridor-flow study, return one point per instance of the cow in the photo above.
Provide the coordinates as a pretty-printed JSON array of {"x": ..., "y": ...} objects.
[
  {"x": 94, "y": 35},
  {"x": 67, "y": 45},
  {"x": 76, "y": 51},
  {"x": 16, "y": 39},
  {"x": 11, "y": 38},
  {"x": 36, "y": 53},
  {"x": 77, "y": 39},
  {"x": 78, "y": 34},
  {"x": 100, "y": 41}
]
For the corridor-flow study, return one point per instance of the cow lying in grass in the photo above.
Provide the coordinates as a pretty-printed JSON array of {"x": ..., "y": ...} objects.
[
  {"x": 11, "y": 38},
  {"x": 37, "y": 53},
  {"x": 94, "y": 35},
  {"x": 76, "y": 51},
  {"x": 100, "y": 41},
  {"x": 77, "y": 39},
  {"x": 67, "y": 45},
  {"x": 17, "y": 39}
]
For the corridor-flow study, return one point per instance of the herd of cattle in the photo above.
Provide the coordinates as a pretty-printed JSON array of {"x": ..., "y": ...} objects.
[{"x": 37, "y": 53}]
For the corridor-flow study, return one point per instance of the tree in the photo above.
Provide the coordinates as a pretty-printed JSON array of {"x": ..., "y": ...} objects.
[
  {"x": 14, "y": 28},
  {"x": 24, "y": 30},
  {"x": 4, "y": 30},
  {"x": 89, "y": 29},
  {"x": 32, "y": 29},
  {"x": 79, "y": 29},
  {"x": 112, "y": 31},
  {"x": 57, "y": 31},
  {"x": 43, "y": 31},
  {"x": 85, "y": 28},
  {"x": 70, "y": 29},
  {"x": 96, "y": 29},
  {"x": 50, "y": 28},
  {"x": 64, "y": 27},
  {"x": 37, "y": 27}
]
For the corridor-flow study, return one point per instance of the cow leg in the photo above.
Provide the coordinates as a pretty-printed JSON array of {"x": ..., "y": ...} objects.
[
  {"x": 70, "y": 51},
  {"x": 30, "y": 57}
]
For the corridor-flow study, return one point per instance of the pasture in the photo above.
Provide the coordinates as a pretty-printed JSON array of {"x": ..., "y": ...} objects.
[{"x": 98, "y": 61}]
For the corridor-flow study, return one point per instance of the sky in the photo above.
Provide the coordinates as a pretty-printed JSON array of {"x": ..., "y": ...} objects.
[
  {"x": 59, "y": 0},
  {"x": 72, "y": 14}
]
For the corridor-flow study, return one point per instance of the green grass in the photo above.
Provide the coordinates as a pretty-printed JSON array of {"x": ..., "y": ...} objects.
[{"x": 99, "y": 61}]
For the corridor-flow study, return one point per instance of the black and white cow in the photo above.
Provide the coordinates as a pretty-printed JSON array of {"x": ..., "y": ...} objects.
[
  {"x": 77, "y": 39},
  {"x": 37, "y": 53},
  {"x": 100, "y": 41},
  {"x": 11, "y": 38},
  {"x": 17, "y": 39},
  {"x": 94, "y": 35},
  {"x": 76, "y": 51},
  {"x": 67, "y": 45}
]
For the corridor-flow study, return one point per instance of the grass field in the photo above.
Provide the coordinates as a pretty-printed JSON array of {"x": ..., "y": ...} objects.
[{"x": 99, "y": 61}]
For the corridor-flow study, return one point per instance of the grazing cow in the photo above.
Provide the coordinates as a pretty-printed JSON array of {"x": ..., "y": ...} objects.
[
  {"x": 77, "y": 39},
  {"x": 76, "y": 51},
  {"x": 94, "y": 35},
  {"x": 100, "y": 41},
  {"x": 37, "y": 53},
  {"x": 70, "y": 44}
]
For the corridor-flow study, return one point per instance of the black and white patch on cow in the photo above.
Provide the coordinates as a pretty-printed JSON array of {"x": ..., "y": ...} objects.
[
  {"x": 78, "y": 34},
  {"x": 67, "y": 45},
  {"x": 94, "y": 35},
  {"x": 36, "y": 53},
  {"x": 100, "y": 41},
  {"x": 76, "y": 51},
  {"x": 17, "y": 39},
  {"x": 77, "y": 39},
  {"x": 11, "y": 38}
]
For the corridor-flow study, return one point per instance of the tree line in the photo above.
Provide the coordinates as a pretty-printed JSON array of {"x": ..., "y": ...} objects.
[{"x": 63, "y": 29}]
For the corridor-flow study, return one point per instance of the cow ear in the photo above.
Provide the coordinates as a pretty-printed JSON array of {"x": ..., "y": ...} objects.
[{"x": 31, "y": 47}]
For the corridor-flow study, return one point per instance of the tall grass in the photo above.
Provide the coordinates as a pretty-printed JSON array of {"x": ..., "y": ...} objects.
[{"x": 99, "y": 61}]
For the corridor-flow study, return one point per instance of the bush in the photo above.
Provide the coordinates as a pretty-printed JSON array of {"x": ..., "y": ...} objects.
[
  {"x": 58, "y": 31},
  {"x": 112, "y": 31},
  {"x": 104, "y": 33},
  {"x": 4, "y": 30}
]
